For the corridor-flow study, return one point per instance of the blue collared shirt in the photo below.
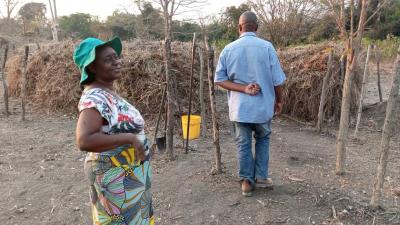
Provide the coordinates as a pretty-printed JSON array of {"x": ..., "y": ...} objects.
[{"x": 250, "y": 60}]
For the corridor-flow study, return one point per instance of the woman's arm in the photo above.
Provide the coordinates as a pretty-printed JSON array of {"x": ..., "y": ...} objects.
[{"x": 90, "y": 138}]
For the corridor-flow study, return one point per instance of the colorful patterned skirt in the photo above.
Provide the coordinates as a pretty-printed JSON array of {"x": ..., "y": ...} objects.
[{"x": 120, "y": 189}]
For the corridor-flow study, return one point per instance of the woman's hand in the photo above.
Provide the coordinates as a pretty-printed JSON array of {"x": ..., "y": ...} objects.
[{"x": 139, "y": 149}]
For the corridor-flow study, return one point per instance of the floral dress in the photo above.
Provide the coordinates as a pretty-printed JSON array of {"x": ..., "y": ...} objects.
[{"x": 120, "y": 185}]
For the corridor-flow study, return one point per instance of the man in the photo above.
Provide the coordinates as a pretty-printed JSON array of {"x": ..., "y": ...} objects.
[{"x": 250, "y": 70}]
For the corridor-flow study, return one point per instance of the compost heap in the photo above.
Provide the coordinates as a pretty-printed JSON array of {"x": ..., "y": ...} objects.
[{"x": 53, "y": 79}]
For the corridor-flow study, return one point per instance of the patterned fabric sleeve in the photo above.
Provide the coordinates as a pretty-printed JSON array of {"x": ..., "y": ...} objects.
[{"x": 99, "y": 101}]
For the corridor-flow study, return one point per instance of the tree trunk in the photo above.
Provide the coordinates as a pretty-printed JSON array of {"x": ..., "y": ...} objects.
[
  {"x": 210, "y": 69},
  {"x": 169, "y": 78},
  {"x": 323, "y": 92},
  {"x": 359, "y": 112},
  {"x": 386, "y": 134},
  {"x": 344, "y": 116},
  {"x": 54, "y": 25},
  {"x": 4, "y": 79},
  {"x": 352, "y": 49},
  {"x": 201, "y": 93},
  {"x": 378, "y": 72},
  {"x": 170, "y": 97},
  {"x": 23, "y": 82}
]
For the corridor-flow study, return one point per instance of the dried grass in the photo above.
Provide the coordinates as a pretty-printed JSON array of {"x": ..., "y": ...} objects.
[
  {"x": 305, "y": 68},
  {"x": 53, "y": 79}
]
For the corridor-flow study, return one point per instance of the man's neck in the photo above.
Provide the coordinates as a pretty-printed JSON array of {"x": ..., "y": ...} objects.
[{"x": 241, "y": 33}]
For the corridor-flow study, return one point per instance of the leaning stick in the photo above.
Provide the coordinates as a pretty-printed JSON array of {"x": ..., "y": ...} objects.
[
  {"x": 378, "y": 72},
  {"x": 360, "y": 104},
  {"x": 324, "y": 92}
]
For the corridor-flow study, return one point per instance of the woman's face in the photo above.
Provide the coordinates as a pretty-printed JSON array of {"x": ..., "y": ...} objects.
[{"x": 107, "y": 66}]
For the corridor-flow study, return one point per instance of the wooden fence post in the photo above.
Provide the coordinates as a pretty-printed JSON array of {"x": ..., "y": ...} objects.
[
  {"x": 4, "y": 79},
  {"x": 170, "y": 99},
  {"x": 387, "y": 132},
  {"x": 23, "y": 82},
  {"x": 360, "y": 104},
  {"x": 201, "y": 93},
  {"x": 378, "y": 72},
  {"x": 162, "y": 105},
  {"x": 190, "y": 93},
  {"x": 210, "y": 69},
  {"x": 324, "y": 91}
]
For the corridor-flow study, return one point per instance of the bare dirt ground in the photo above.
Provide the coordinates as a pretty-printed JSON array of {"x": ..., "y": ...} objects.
[{"x": 42, "y": 180}]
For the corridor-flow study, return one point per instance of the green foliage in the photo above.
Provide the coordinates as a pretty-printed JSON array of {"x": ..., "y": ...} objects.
[
  {"x": 323, "y": 29},
  {"x": 183, "y": 31},
  {"x": 122, "y": 24},
  {"x": 221, "y": 43},
  {"x": 33, "y": 16},
  {"x": 388, "y": 47},
  {"x": 230, "y": 19},
  {"x": 150, "y": 23},
  {"x": 386, "y": 22},
  {"x": 77, "y": 25}
]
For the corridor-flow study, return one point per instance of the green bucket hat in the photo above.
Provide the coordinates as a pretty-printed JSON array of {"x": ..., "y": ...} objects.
[{"x": 85, "y": 53}]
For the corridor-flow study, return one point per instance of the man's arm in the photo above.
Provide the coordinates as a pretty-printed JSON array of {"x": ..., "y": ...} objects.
[
  {"x": 278, "y": 99},
  {"x": 250, "y": 89}
]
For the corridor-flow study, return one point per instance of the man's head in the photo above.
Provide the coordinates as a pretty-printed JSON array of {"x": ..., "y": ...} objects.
[{"x": 248, "y": 22}]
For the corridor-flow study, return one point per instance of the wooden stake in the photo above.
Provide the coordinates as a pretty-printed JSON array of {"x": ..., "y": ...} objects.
[
  {"x": 170, "y": 100},
  {"x": 378, "y": 72},
  {"x": 210, "y": 69},
  {"x": 201, "y": 93},
  {"x": 160, "y": 113},
  {"x": 360, "y": 104},
  {"x": 386, "y": 134},
  {"x": 4, "y": 79},
  {"x": 324, "y": 92},
  {"x": 190, "y": 92},
  {"x": 23, "y": 82}
]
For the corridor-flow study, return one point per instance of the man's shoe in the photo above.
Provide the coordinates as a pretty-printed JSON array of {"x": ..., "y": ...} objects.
[
  {"x": 264, "y": 183},
  {"x": 246, "y": 188}
]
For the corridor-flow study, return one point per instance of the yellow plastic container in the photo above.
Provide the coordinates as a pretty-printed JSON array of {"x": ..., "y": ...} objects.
[{"x": 194, "y": 130}]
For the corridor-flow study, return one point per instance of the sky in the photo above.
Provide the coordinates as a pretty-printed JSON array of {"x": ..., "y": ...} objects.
[{"x": 104, "y": 8}]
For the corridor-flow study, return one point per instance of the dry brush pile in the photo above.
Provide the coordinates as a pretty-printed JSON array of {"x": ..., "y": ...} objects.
[
  {"x": 305, "y": 68},
  {"x": 53, "y": 79}
]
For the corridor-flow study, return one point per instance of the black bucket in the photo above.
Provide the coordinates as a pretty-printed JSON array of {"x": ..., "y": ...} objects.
[{"x": 161, "y": 143}]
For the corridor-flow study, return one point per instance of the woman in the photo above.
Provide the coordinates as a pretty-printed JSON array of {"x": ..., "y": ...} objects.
[{"x": 112, "y": 132}]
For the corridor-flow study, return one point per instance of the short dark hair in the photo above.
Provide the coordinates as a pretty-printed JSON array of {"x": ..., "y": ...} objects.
[{"x": 248, "y": 20}]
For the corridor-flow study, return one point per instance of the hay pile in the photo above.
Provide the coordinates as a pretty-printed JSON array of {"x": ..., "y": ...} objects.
[
  {"x": 305, "y": 67},
  {"x": 53, "y": 79}
]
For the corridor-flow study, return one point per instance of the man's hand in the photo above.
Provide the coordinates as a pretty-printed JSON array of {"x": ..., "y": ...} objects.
[
  {"x": 278, "y": 108},
  {"x": 252, "y": 89},
  {"x": 279, "y": 100}
]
